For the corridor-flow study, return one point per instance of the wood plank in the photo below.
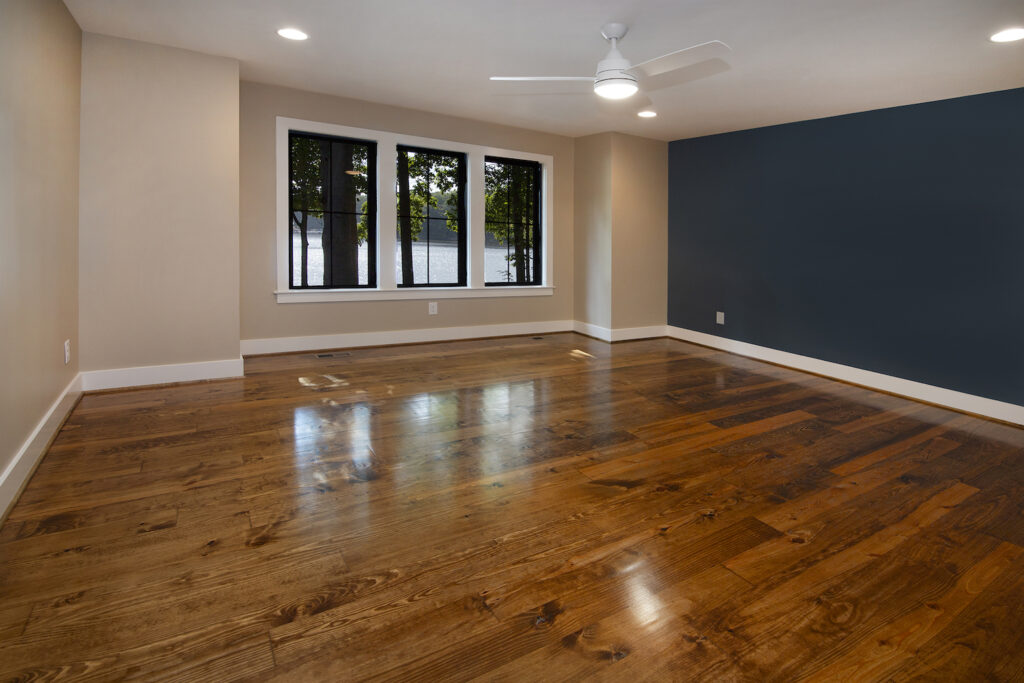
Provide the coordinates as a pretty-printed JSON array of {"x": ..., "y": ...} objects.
[
  {"x": 884, "y": 651},
  {"x": 547, "y": 507}
]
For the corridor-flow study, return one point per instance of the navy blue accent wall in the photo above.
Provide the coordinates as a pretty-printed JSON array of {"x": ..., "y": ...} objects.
[{"x": 890, "y": 240}]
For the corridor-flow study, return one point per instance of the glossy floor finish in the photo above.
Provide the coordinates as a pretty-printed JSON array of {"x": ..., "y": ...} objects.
[{"x": 517, "y": 509}]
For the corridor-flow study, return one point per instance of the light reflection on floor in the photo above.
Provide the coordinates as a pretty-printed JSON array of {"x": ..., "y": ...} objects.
[
  {"x": 645, "y": 605},
  {"x": 512, "y": 430},
  {"x": 335, "y": 448},
  {"x": 493, "y": 424}
]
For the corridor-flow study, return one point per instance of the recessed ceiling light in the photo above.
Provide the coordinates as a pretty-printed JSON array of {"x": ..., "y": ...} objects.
[
  {"x": 1008, "y": 36},
  {"x": 647, "y": 114},
  {"x": 292, "y": 34}
]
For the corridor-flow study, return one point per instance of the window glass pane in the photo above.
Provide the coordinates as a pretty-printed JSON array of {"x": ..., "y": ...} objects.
[
  {"x": 308, "y": 173},
  {"x": 430, "y": 245},
  {"x": 333, "y": 209},
  {"x": 348, "y": 176},
  {"x": 512, "y": 209},
  {"x": 308, "y": 258},
  {"x": 496, "y": 253},
  {"x": 349, "y": 249}
]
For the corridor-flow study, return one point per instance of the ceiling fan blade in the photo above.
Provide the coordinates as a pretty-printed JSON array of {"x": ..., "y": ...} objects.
[
  {"x": 681, "y": 58},
  {"x": 543, "y": 78},
  {"x": 538, "y": 93},
  {"x": 669, "y": 79}
]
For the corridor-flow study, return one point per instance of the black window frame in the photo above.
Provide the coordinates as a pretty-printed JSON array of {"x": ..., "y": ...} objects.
[
  {"x": 538, "y": 233},
  {"x": 371, "y": 214},
  {"x": 463, "y": 256}
]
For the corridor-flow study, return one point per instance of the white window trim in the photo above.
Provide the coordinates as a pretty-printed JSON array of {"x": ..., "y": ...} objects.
[{"x": 387, "y": 288}]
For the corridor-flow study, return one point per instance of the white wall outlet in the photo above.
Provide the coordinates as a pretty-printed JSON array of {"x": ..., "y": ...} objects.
[
  {"x": 432, "y": 308},
  {"x": 67, "y": 351},
  {"x": 720, "y": 317}
]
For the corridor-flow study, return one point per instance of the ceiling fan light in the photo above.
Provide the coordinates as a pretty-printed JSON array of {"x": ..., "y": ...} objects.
[{"x": 615, "y": 88}]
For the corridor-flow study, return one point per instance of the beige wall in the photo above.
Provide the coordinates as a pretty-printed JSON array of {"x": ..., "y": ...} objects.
[
  {"x": 263, "y": 318},
  {"x": 640, "y": 232},
  {"x": 159, "y": 205},
  {"x": 621, "y": 199},
  {"x": 40, "y": 67},
  {"x": 592, "y": 270}
]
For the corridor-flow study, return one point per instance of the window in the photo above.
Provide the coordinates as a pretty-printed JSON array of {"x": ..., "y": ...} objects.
[
  {"x": 430, "y": 249},
  {"x": 464, "y": 218},
  {"x": 332, "y": 212},
  {"x": 512, "y": 247}
]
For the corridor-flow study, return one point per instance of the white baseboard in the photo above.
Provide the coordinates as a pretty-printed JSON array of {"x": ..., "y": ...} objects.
[
  {"x": 252, "y": 347},
  {"x": 20, "y": 469},
  {"x": 187, "y": 372},
  {"x": 979, "y": 405},
  {"x": 595, "y": 331},
  {"x": 628, "y": 333},
  {"x": 618, "y": 334},
  {"x": 95, "y": 380}
]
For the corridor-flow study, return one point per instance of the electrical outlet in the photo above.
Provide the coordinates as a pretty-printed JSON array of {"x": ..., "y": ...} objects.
[
  {"x": 720, "y": 317},
  {"x": 432, "y": 308},
  {"x": 67, "y": 351}
]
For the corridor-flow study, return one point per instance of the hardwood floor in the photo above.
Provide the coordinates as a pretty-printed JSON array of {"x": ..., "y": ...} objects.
[{"x": 551, "y": 508}]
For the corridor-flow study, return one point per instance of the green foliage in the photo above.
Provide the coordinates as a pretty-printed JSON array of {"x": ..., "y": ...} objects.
[
  {"x": 307, "y": 191},
  {"x": 508, "y": 196},
  {"x": 509, "y": 209},
  {"x": 433, "y": 184},
  {"x": 309, "y": 175}
]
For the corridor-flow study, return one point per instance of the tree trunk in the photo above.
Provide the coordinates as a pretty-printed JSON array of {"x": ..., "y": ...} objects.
[
  {"x": 404, "y": 219},
  {"x": 518, "y": 228},
  {"x": 304, "y": 252},
  {"x": 344, "y": 242}
]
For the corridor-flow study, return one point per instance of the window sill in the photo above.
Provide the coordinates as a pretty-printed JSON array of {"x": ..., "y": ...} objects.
[{"x": 305, "y": 296}]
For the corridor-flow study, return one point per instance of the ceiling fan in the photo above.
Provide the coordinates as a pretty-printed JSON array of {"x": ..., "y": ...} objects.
[{"x": 617, "y": 79}]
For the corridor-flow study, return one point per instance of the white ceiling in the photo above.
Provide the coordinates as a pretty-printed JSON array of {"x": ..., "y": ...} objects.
[{"x": 792, "y": 59}]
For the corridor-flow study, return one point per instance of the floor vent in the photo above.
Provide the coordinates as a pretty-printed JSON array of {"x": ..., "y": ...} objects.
[{"x": 336, "y": 354}]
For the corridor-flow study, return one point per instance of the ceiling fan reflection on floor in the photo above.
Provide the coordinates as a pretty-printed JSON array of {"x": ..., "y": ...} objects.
[{"x": 618, "y": 79}]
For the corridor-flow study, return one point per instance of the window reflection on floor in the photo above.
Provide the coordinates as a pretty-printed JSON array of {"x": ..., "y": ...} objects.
[{"x": 508, "y": 411}]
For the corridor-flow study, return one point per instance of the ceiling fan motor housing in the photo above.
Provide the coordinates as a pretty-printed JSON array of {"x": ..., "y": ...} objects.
[
  {"x": 613, "y": 66},
  {"x": 612, "y": 71}
]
